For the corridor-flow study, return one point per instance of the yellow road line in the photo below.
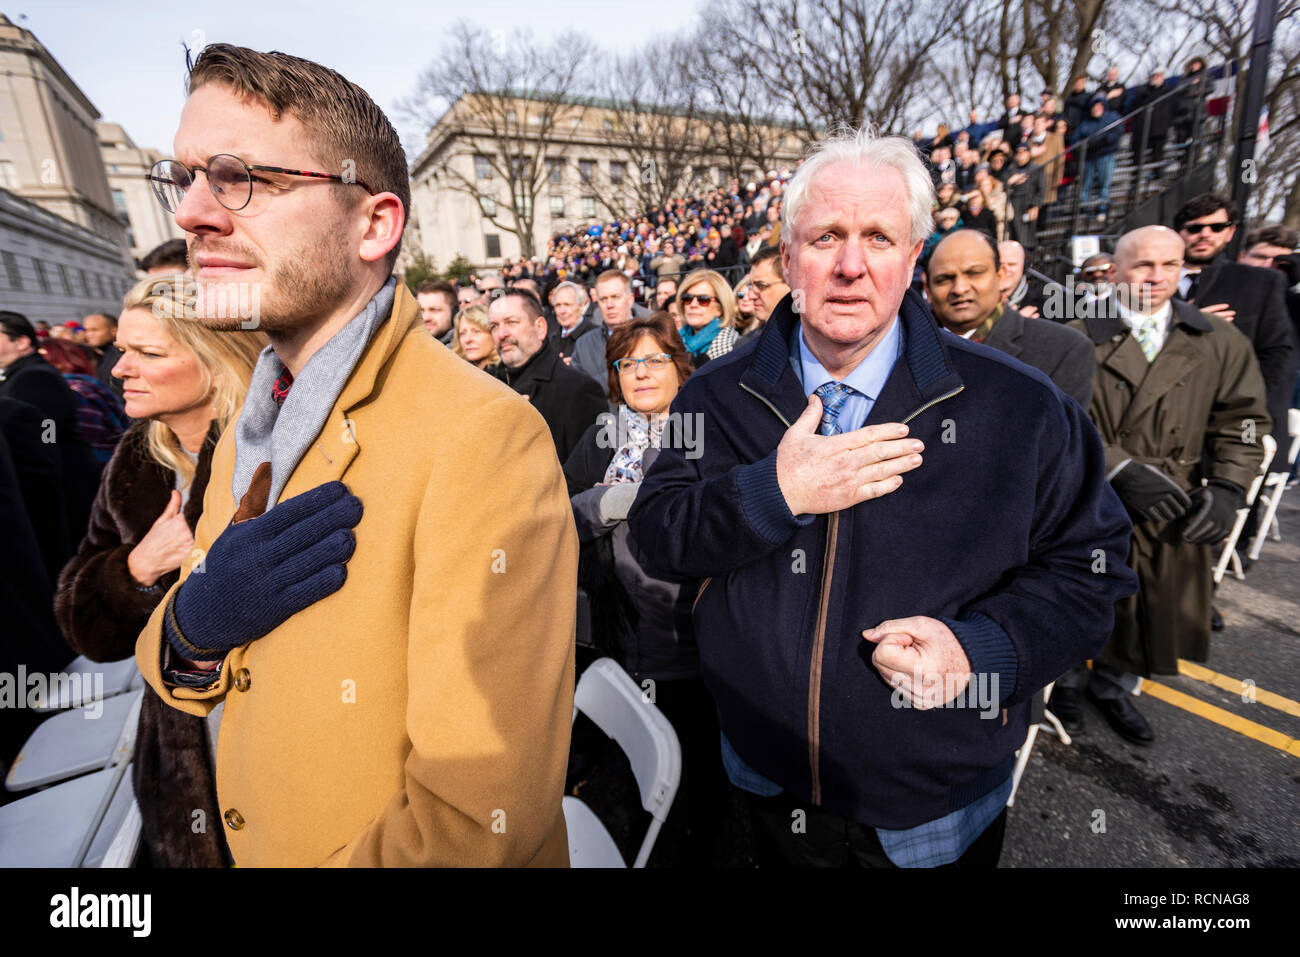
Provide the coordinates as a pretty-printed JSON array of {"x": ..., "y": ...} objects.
[
  {"x": 1274, "y": 739},
  {"x": 1237, "y": 687}
]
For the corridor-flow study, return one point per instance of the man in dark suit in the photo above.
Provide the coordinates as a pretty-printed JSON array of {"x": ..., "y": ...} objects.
[
  {"x": 101, "y": 330},
  {"x": 568, "y": 299},
  {"x": 27, "y": 377},
  {"x": 1161, "y": 117},
  {"x": 1026, "y": 187},
  {"x": 1251, "y": 298},
  {"x": 569, "y": 401},
  {"x": 961, "y": 282}
]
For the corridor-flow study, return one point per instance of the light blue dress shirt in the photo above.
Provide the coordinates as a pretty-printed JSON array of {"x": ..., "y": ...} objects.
[{"x": 945, "y": 839}]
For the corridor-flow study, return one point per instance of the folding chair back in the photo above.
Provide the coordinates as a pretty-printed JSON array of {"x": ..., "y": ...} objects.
[
  {"x": 613, "y": 702},
  {"x": 1229, "y": 553}
]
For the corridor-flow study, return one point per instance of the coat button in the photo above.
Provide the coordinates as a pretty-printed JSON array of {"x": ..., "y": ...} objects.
[
  {"x": 243, "y": 680},
  {"x": 1125, "y": 434},
  {"x": 234, "y": 820}
]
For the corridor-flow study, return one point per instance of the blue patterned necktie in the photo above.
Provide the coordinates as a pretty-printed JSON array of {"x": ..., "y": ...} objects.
[{"x": 833, "y": 396}]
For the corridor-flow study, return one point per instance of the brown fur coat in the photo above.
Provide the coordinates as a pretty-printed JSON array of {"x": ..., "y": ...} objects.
[{"x": 102, "y": 611}]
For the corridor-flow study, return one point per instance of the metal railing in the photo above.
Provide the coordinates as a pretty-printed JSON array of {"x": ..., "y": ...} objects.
[{"x": 1055, "y": 229}]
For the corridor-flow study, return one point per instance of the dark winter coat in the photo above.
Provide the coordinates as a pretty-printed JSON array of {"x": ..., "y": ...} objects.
[
  {"x": 29, "y": 510},
  {"x": 568, "y": 400},
  {"x": 649, "y": 619},
  {"x": 1183, "y": 414},
  {"x": 1107, "y": 142},
  {"x": 1258, "y": 296},
  {"x": 997, "y": 534},
  {"x": 1063, "y": 355},
  {"x": 33, "y": 380},
  {"x": 102, "y": 611},
  {"x": 1162, "y": 115}
]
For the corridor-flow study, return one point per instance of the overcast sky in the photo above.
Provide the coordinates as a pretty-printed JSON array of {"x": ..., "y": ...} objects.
[{"x": 127, "y": 57}]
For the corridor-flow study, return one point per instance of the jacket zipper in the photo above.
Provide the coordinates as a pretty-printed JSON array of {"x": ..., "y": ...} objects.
[{"x": 823, "y": 609}]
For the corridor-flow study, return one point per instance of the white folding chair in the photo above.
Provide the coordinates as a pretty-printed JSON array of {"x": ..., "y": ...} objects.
[
  {"x": 613, "y": 702},
  {"x": 76, "y": 684},
  {"x": 126, "y": 841},
  {"x": 75, "y": 823},
  {"x": 1275, "y": 487},
  {"x": 1229, "y": 553},
  {"x": 1048, "y": 722},
  {"x": 72, "y": 743}
]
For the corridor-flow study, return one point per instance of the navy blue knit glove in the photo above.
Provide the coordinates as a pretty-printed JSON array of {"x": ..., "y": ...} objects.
[{"x": 260, "y": 572}]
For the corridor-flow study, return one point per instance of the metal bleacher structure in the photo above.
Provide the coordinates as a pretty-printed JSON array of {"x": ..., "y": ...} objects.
[{"x": 1140, "y": 195}]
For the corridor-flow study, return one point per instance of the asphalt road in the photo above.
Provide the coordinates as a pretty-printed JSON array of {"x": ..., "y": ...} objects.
[{"x": 1202, "y": 795}]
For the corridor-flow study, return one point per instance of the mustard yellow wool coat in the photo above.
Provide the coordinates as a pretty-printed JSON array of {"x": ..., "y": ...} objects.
[{"x": 421, "y": 714}]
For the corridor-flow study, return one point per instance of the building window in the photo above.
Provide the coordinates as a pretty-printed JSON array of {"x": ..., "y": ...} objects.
[
  {"x": 8, "y": 175},
  {"x": 577, "y": 122},
  {"x": 488, "y": 205},
  {"x": 555, "y": 171},
  {"x": 512, "y": 118},
  {"x": 607, "y": 126},
  {"x": 85, "y": 283},
  {"x": 99, "y": 280},
  {"x": 67, "y": 280},
  {"x": 11, "y": 270},
  {"x": 482, "y": 167},
  {"x": 519, "y": 168},
  {"x": 557, "y": 207},
  {"x": 41, "y": 277},
  {"x": 493, "y": 243},
  {"x": 589, "y": 207},
  {"x": 585, "y": 170},
  {"x": 526, "y": 206},
  {"x": 617, "y": 171}
]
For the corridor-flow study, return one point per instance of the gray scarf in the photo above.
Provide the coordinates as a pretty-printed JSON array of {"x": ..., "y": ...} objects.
[{"x": 282, "y": 434}]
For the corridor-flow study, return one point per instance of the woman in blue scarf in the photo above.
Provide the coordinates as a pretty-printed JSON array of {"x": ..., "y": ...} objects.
[{"x": 708, "y": 309}]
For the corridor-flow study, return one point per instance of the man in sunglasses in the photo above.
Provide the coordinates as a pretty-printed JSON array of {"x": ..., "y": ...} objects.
[
  {"x": 1253, "y": 299},
  {"x": 389, "y": 695}
]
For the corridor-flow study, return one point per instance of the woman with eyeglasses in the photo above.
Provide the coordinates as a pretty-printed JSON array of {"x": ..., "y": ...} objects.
[
  {"x": 708, "y": 309},
  {"x": 183, "y": 384},
  {"x": 642, "y": 622}
]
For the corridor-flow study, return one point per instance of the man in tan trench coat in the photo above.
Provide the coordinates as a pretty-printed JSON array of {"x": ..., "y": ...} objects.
[
  {"x": 380, "y": 600},
  {"x": 1178, "y": 398}
]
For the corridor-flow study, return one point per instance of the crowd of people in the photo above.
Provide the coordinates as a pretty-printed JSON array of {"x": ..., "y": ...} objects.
[
  {"x": 1001, "y": 175},
  {"x": 378, "y": 618}
]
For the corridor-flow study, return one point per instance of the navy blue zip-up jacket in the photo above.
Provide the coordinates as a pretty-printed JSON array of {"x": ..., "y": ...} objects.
[{"x": 1008, "y": 532}]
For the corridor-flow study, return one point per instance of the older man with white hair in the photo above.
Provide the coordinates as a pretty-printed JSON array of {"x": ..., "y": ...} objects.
[{"x": 847, "y": 584}]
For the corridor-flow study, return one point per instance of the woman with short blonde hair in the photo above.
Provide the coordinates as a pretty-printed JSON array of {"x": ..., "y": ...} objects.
[{"x": 472, "y": 339}]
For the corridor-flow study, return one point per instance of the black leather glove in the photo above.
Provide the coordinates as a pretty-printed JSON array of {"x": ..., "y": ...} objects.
[
  {"x": 1149, "y": 493},
  {"x": 1213, "y": 512}
]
